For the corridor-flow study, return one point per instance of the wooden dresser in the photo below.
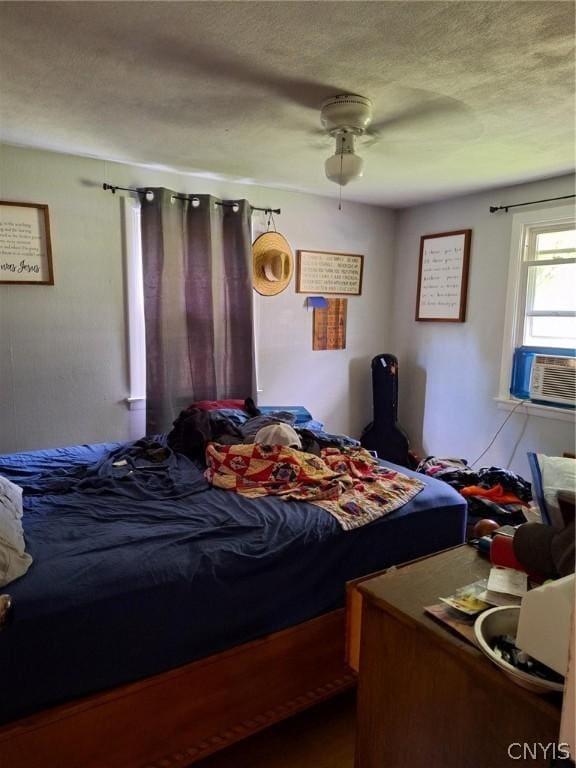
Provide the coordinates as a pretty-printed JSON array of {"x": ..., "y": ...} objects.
[{"x": 426, "y": 697}]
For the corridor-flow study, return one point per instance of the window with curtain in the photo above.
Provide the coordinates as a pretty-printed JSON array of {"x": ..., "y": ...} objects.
[{"x": 196, "y": 309}]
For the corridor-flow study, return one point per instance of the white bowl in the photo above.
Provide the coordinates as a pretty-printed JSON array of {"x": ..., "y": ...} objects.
[{"x": 504, "y": 621}]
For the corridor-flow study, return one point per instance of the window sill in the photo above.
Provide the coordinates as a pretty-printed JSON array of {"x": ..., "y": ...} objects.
[
  {"x": 135, "y": 403},
  {"x": 535, "y": 409}
]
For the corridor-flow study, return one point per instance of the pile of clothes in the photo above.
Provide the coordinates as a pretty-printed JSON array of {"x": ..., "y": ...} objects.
[
  {"x": 491, "y": 492},
  {"x": 201, "y": 424},
  {"x": 258, "y": 454}
]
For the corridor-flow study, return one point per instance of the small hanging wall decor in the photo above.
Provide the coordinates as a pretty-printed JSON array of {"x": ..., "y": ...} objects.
[
  {"x": 330, "y": 325},
  {"x": 25, "y": 250},
  {"x": 272, "y": 263}
]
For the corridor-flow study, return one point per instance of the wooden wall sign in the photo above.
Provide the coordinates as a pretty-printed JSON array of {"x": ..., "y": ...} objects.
[
  {"x": 443, "y": 276},
  {"x": 320, "y": 272},
  {"x": 25, "y": 249},
  {"x": 330, "y": 325}
]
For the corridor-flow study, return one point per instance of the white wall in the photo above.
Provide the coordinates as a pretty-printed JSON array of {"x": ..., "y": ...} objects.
[
  {"x": 63, "y": 356},
  {"x": 334, "y": 385},
  {"x": 450, "y": 371}
]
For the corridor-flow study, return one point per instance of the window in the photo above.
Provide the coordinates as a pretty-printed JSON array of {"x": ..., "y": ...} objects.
[
  {"x": 548, "y": 280},
  {"x": 541, "y": 299},
  {"x": 136, "y": 400}
]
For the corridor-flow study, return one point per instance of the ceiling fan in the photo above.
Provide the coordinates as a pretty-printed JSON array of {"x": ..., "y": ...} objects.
[
  {"x": 348, "y": 116},
  {"x": 403, "y": 111},
  {"x": 345, "y": 117}
]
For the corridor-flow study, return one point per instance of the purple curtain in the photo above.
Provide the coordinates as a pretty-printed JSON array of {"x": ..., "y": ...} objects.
[{"x": 197, "y": 303}]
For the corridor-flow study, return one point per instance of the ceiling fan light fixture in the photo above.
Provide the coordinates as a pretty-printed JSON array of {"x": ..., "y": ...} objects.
[{"x": 344, "y": 166}]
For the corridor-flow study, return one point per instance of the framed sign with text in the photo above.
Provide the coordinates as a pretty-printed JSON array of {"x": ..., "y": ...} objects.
[
  {"x": 323, "y": 273},
  {"x": 25, "y": 249},
  {"x": 443, "y": 276}
]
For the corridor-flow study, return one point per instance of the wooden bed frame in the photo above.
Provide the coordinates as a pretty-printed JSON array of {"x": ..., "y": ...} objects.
[{"x": 178, "y": 717}]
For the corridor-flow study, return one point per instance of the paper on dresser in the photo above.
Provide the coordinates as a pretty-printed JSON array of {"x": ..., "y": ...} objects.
[{"x": 508, "y": 581}]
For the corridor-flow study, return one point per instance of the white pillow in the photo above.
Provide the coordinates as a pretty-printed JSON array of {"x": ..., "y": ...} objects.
[
  {"x": 14, "y": 560},
  {"x": 558, "y": 474}
]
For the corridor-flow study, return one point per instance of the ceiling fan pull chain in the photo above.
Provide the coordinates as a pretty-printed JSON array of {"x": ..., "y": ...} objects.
[{"x": 340, "y": 186}]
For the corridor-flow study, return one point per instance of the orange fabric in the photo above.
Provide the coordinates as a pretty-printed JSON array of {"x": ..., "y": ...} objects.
[{"x": 496, "y": 494}]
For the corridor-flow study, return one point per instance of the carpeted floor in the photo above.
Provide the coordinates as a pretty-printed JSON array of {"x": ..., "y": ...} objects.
[{"x": 321, "y": 737}]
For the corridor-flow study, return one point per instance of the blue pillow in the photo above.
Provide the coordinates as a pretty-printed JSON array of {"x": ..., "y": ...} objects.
[
  {"x": 235, "y": 415},
  {"x": 301, "y": 414}
]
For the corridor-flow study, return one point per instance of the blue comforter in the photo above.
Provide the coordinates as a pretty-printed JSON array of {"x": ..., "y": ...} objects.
[{"x": 133, "y": 576}]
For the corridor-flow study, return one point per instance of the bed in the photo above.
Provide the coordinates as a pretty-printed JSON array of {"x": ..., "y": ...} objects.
[{"x": 155, "y": 627}]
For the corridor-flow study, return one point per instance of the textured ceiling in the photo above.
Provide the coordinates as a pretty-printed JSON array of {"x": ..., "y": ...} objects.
[{"x": 467, "y": 95}]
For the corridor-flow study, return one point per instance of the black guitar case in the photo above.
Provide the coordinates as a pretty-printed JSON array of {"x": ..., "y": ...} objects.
[{"x": 384, "y": 435}]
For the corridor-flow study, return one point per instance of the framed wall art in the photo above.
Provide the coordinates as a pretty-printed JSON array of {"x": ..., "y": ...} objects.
[
  {"x": 25, "y": 249},
  {"x": 322, "y": 273},
  {"x": 443, "y": 276}
]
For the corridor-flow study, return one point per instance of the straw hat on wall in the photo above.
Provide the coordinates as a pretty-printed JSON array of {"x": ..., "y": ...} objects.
[{"x": 272, "y": 263}]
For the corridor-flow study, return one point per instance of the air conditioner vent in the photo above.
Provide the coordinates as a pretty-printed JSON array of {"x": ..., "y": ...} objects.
[{"x": 553, "y": 379}]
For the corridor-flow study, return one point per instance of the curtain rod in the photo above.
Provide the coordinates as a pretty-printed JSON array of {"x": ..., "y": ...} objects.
[
  {"x": 494, "y": 208},
  {"x": 230, "y": 203}
]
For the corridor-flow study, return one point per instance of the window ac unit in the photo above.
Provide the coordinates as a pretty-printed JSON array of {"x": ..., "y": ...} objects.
[{"x": 553, "y": 380}]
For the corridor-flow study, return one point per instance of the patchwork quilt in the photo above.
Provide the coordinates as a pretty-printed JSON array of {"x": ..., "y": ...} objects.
[{"x": 347, "y": 482}]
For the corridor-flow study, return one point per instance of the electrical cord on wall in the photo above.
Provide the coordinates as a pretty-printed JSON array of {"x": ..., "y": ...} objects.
[
  {"x": 519, "y": 440},
  {"x": 500, "y": 428}
]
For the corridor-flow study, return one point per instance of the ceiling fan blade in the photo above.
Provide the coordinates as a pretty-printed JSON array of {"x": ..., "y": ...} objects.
[
  {"x": 322, "y": 142},
  {"x": 235, "y": 70},
  {"x": 212, "y": 61},
  {"x": 436, "y": 107},
  {"x": 440, "y": 113}
]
